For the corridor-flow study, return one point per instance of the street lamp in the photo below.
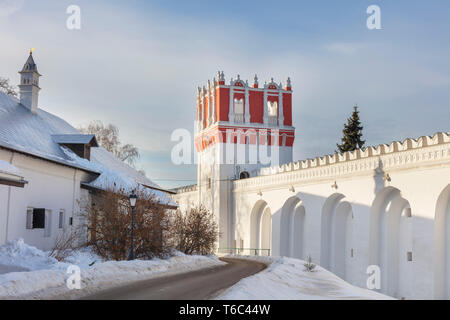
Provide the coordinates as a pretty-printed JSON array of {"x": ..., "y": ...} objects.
[{"x": 133, "y": 199}]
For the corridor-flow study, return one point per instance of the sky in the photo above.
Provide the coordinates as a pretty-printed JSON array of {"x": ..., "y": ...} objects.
[{"x": 137, "y": 64}]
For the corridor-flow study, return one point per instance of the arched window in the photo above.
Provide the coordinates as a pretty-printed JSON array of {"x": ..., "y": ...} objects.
[
  {"x": 239, "y": 106},
  {"x": 244, "y": 175},
  {"x": 272, "y": 107}
]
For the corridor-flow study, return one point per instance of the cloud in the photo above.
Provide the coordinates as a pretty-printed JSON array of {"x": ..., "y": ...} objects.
[
  {"x": 8, "y": 7},
  {"x": 140, "y": 69},
  {"x": 345, "y": 48}
]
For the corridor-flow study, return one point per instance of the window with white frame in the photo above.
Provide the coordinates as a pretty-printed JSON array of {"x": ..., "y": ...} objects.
[
  {"x": 35, "y": 218},
  {"x": 39, "y": 218},
  {"x": 272, "y": 107},
  {"x": 239, "y": 106},
  {"x": 61, "y": 219}
]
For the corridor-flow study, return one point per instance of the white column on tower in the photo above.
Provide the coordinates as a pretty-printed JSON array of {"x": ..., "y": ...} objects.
[
  {"x": 202, "y": 104},
  {"x": 209, "y": 118},
  {"x": 266, "y": 120},
  {"x": 247, "y": 105},
  {"x": 280, "y": 111},
  {"x": 214, "y": 117},
  {"x": 231, "y": 109},
  {"x": 199, "y": 113}
]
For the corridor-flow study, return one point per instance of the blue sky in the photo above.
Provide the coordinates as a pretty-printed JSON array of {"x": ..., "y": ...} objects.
[{"x": 137, "y": 64}]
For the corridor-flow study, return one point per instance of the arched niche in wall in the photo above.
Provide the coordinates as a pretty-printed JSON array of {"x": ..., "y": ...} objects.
[
  {"x": 336, "y": 235},
  {"x": 442, "y": 246},
  {"x": 292, "y": 228},
  {"x": 261, "y": 227},
  {"x": 391, "y": 241}
]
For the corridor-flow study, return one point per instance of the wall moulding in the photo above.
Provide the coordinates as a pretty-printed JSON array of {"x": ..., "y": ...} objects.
[{"x": 395, "y": 156}]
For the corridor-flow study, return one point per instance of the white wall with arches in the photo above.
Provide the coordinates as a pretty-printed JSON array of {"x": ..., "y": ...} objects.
[
  {"x": 360, "y": 221},
  {"x": 387, "y": 206}
]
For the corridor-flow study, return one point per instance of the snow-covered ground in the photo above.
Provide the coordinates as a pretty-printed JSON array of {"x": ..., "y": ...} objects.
[
  {"x": 286, "y": 278},
  {"x": 46, "y": 278}
]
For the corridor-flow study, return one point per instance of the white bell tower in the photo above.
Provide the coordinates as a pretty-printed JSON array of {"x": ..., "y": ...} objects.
[
  {"x": 29, "y": 85},
  {"x": 241, "y": 128}
]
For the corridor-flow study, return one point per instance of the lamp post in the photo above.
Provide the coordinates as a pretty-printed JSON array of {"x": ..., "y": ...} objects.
[{"x": 133, "y": 199}]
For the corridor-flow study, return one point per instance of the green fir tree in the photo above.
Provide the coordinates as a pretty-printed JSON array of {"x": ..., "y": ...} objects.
[{"x": 352, "y": 133}]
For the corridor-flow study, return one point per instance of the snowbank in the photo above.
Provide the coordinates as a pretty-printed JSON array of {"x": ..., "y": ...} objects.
[
  {"x": 17, "y": 254},
  {"x": 48, "y": 281},
  {"x": 286, "y": 278}
]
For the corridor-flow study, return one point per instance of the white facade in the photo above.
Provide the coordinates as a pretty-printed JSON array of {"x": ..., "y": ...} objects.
[
  {"x": 50, "y": 186},
  {"x": 387, "y": 206}
]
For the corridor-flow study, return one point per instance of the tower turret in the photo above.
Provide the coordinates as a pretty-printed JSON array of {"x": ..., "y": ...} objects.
[
  {"x": 29, "y": 84},
  {"x": 242, "y": 127}
]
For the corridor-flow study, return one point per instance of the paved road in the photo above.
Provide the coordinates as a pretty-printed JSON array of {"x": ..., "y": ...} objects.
[{"x": 196, "y": 285}]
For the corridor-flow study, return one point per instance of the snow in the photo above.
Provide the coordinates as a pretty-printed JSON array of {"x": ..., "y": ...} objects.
[
  {"x": 47, "y": 277},
  {"x": 8, "y": 168},
  {"x": 35, "y": 134},
  {"x": 16, "y": 253},
  {"x": 112, "y": 175},
  {"x": 286, "y": 278}
]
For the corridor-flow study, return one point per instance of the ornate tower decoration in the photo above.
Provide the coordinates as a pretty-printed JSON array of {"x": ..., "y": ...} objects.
[
  {"x": 241, "y": 128},
  {"x": 29, "y": 84},
  {"x": 239, "y": 113}
]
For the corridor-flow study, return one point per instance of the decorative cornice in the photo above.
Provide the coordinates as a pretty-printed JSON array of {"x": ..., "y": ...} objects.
[
  {"x": 385, "y": 156},
  {"x": 185, "y": 189}
]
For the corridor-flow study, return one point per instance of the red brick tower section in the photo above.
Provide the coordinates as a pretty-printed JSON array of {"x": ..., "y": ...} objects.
[{"x": 239, "y": 106}]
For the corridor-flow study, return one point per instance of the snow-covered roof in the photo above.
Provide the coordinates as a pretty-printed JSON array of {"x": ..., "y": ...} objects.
[
  {"x": 75, "y": 139},
  {"x": 34, "y": 134},
  {"x": 6, "y": 167}
]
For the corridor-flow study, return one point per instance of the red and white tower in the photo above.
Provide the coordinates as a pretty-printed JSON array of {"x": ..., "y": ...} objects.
[{"x": 241, "y": 128}]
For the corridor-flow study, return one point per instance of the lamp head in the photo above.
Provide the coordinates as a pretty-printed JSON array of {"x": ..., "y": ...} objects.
[{"x": 133, "y": 199}]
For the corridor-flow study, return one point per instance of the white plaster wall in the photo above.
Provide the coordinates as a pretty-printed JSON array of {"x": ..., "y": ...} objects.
[
  {"x": 3, "y": 212},
  {"x": 50, "y": 186},
  {"x": 420, "y": 186},
  {"x": 419, "y": 169}
]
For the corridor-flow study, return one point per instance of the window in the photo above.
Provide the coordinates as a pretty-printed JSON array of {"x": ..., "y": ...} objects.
[
  {"x": 244, "y": 175},
  {"x": 61, "y": 219},
  {"x": 239, "y": 106},
  {"x": 70, "y": 221},
  {"x": 35, "y": 218},
  {"x": 409, "y": 256},
  {"x": 272, "y": 108}
]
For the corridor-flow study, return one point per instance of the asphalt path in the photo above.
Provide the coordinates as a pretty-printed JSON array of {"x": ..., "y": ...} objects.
[{"x": 196, "y": 285}]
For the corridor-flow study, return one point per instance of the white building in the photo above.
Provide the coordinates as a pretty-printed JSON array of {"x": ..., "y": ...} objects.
[
  {"x": 47, "y": 166},
  {"x": 387, "y": 206}
]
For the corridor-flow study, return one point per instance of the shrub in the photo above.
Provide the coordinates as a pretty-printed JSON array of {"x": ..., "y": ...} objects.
[
  {"x": 309, "y": 266},
  {"x": 65, "y": 244},
  {"x": 108, "y": 221},
  {"x": 195, "y": 231}
]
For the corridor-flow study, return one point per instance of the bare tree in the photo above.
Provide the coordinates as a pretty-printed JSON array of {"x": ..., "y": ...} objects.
[
  {"x": 108, "y": 221},
  {"x": 65, "y": 244},
  {"x": 108, "y": 137},
  {"x": 7, "y": 88},
  {"x": 196, "y": 231}
]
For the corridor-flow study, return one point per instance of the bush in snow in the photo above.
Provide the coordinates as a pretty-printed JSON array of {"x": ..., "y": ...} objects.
[
  {"x": 309, "y": 266},
  {"x": 65, "y": 244},
  {"x": 108, "y": 221},
  {"x": 196, "y": 231}
]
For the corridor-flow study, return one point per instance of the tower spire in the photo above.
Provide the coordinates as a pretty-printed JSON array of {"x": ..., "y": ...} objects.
[{"x": 29, "y": 84}]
